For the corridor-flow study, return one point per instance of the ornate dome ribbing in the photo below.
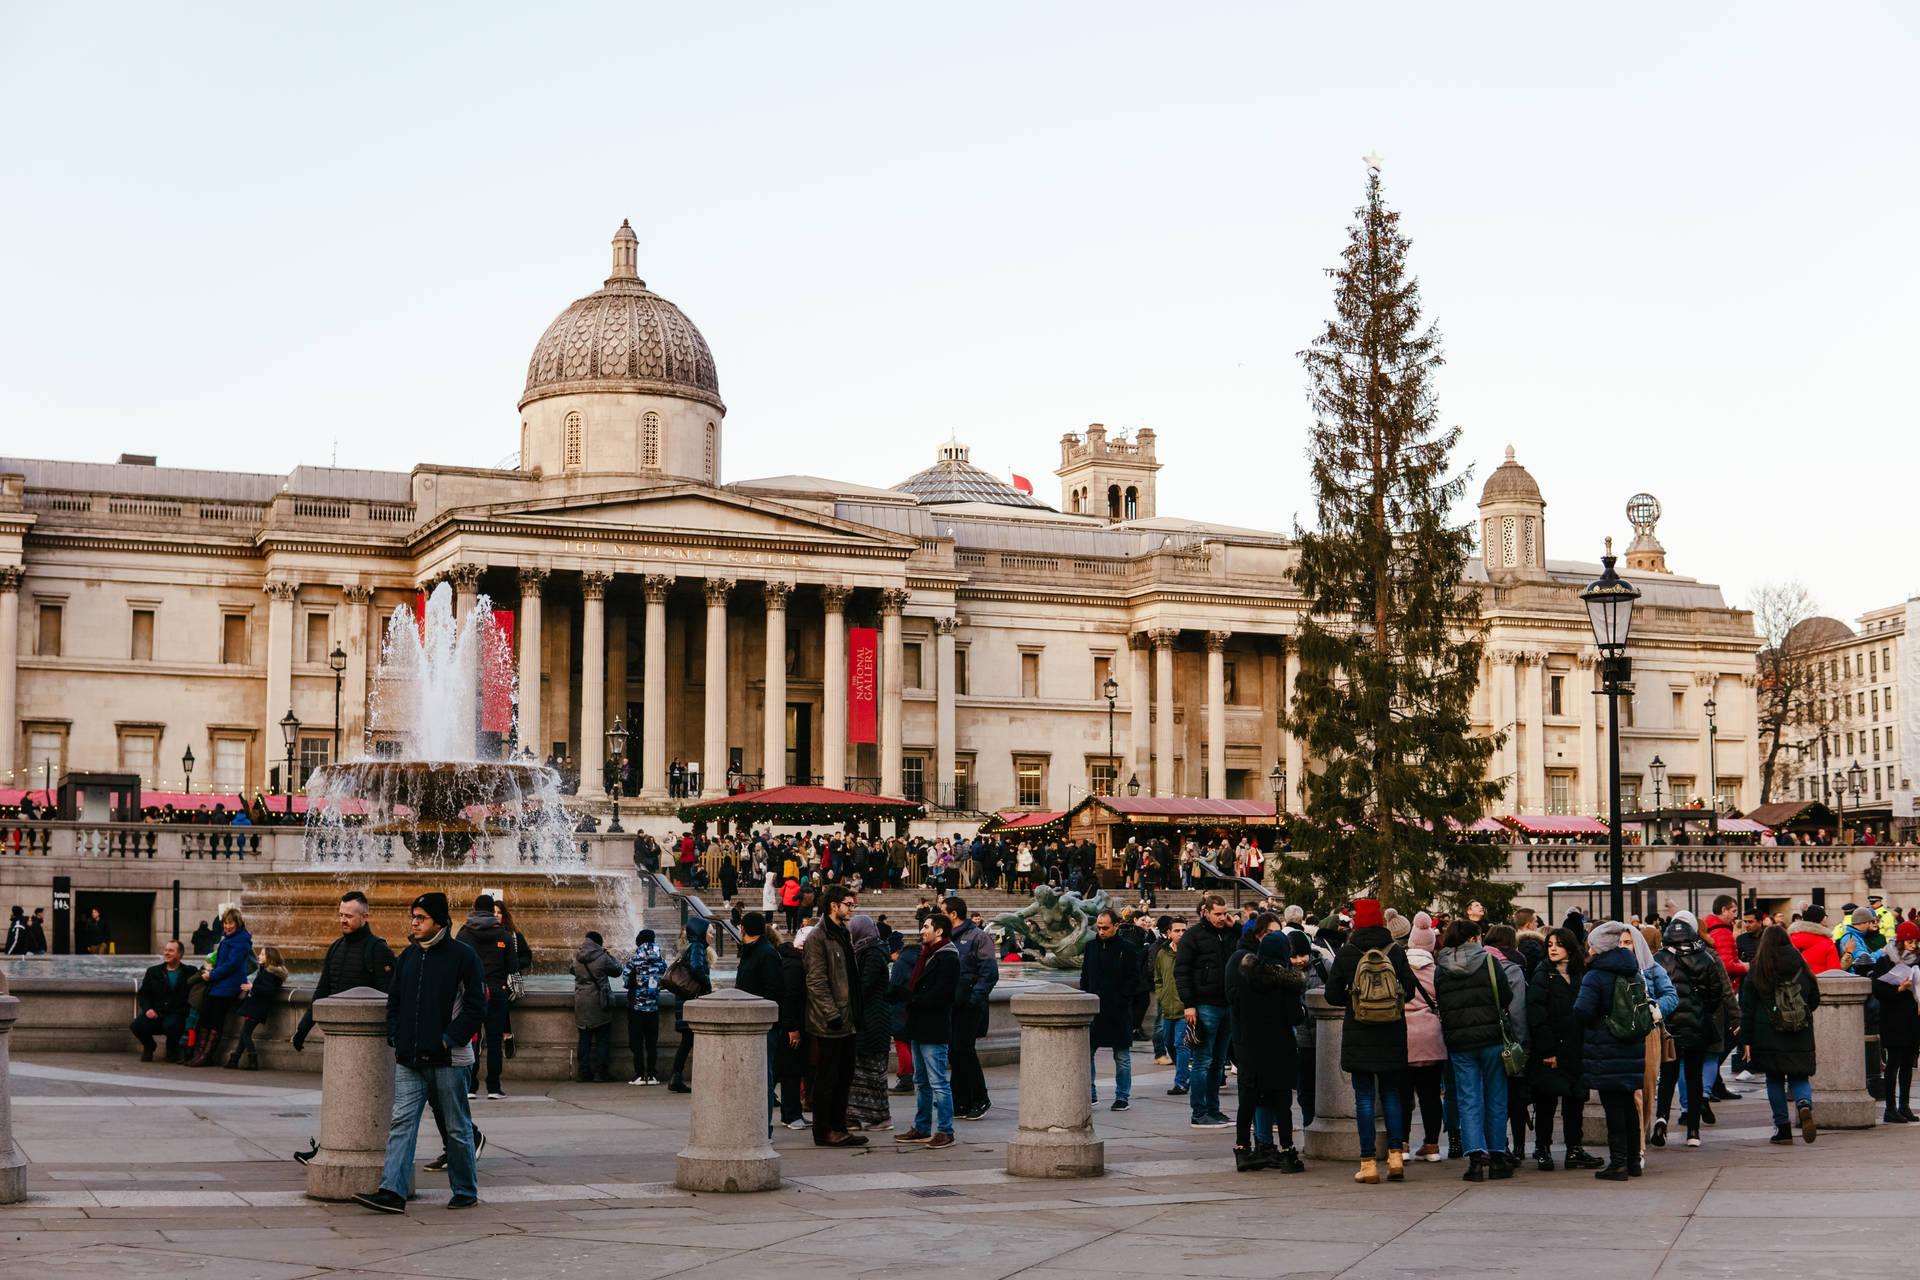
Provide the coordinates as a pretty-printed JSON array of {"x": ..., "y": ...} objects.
[
  {"x": 1511, "y": 482},
  {"x": 954, "y": 479},
  {"x": 623, "y": 338}
]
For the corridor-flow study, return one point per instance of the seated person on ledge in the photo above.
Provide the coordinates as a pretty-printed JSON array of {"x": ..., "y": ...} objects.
[{"x": 163, "y": 1005}]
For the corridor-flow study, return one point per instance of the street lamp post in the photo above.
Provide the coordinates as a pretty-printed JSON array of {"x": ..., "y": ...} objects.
[
  {"x": 1609, "y": 600},
  {"x": 1278, "y": 780},
  {"x": 338, "y": 661},
  {"x": 1657, "y": 770},
  {"x": 1854, "y": 780},
  {"x": 616, "y": 747},
  {"x": 1112, "y": 691},
  {"x": 1713, "y": 774},
  {"x": 1133, "y": 784},
  {"x": 186, "y": 769},
  {"x": 290, "y": 730}
]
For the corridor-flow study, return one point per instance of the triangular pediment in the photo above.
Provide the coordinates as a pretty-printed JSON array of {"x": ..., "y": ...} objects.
[{"x": 683, "y": 509}]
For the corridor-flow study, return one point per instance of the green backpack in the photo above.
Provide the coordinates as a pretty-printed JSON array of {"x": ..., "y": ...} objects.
[
  {"x": 1789, "y": 1012},
  {"x": 1630, "y": 1017},
  {"x": 1376, "y": 989}
]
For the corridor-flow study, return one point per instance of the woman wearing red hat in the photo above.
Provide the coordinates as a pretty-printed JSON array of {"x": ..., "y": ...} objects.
[
  {"x": 1372, "y": 981},
  {"x": 1896, "y": 982}
]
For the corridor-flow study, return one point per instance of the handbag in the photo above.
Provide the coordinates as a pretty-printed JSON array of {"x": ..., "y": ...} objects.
[
  {"x": 1669, "y": 1047},
  {"x": 1513, "y": 1054},
  {"x": 679, "y": 980},
  {"x": 516, "y": 987}
]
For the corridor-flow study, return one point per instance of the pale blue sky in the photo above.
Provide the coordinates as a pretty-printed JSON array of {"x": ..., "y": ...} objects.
[{"x": 1669, "y": 245}]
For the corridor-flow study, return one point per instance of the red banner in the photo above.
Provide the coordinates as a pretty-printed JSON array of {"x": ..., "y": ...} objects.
[
  {"x": 863, "y": 684},
  {"x": 496, "y": 676}
]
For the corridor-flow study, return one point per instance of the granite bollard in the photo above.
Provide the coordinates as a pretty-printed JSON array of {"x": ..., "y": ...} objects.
[
  {"x": 356, "y": 1094},
  {"x": 1334, "y": 1135},
  {"x": 1055, "y": 1136},
  {"x": 1840, "y": 1097},
  {"x": 727, "y": 1145},
  {"x": 13, "y": 1164}
]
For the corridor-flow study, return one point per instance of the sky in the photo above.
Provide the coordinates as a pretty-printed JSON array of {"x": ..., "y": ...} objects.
[{"x": 1667, "y": 245}]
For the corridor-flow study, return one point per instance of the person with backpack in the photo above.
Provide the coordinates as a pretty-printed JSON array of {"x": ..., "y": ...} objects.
[
  {"x": 1474, "y": 990},
  {"x": 1615, "y": 1010},
  {"x": 1372, "y": 981},
  {"x": 1776, "y": 1004},
  {"x": 641, "y": 976},
  {"x": 1554, "y": 1051},
  {"x": 1264, "y": 989},
  {"x": 1702, "y": 989},
  {"x": 1896, "y": 975},
  {"x": 592, "y": 1007}
]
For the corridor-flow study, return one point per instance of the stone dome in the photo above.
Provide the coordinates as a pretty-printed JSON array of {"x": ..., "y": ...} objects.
[
  {"x": 1817, "y": 632},
  {"x": 1511, "y": 482},
  {"x": 623, "y": 338},
  {"x": 953, "y": 479}
]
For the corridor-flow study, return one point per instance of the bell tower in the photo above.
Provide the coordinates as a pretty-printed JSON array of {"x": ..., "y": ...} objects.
[{"x": 1109, "y": 478}]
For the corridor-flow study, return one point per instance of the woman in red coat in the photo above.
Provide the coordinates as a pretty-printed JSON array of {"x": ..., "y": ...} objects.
[{"x": 1812, "y": 940}]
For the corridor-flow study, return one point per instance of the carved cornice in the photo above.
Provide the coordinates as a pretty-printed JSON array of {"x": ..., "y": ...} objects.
[
  {"x": 594, "y": 584},
  {"x": 655, "y": 586},
  {"x": 717, "y": 589}
]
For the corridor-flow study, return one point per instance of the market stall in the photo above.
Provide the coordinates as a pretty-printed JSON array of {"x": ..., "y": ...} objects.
[
  {"x": 820, "y": 807},
  {"x": 1110, "y": 821}
]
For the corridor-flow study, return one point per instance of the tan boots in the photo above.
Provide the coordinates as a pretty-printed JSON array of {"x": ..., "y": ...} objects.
[{"x": 1369, "y": 1173}]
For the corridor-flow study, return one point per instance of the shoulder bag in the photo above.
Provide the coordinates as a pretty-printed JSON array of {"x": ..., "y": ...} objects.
[{"x": 1513, "y": 1054}]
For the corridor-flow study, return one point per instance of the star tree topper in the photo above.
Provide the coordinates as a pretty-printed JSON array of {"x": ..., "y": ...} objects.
[{"x": 1372, "y": 161}]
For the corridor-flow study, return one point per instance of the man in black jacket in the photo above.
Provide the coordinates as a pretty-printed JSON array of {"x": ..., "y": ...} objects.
[
  {"x": 758, "y": 972},
  {"x": 1200, "y": 975},
  {"x": 359, "y": 957},
  {"x": 979, "y": 970},
  {"x": 1110, "y": 968},
  {"x": 927, "y": 1001},
  {"x": 499, "y": 958},
  {"x": 436, "y": 1007},
  {"x": 163, "y": 1004}
]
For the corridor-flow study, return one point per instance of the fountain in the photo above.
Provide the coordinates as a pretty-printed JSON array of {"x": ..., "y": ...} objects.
[{"x": 449, "y": 810}]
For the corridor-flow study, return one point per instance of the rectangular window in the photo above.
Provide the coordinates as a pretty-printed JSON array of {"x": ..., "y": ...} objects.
[
  {"x": 1029, "y": 782},
  {"x": 1102, "y": 672},
  {"x": 137, "y": 752},
  {"x": 1846, "y": 666},
  {"x": 910, "y": 667},
  {"x": 230, "y": 765},
  {"x": 314, "y": 752},
  {"x": 1679, "y": 709},
  {"x": 1626, "y": 711},
  {"x": 1873, "y": 700},
  {"x": 1889, "y": 699},
  {"x": 1800, "y": 788},
  {"x": 1876, "y": 783},
  {"x": 1557, "y": 788},
  {"x": 1102, "y": 773},
  {"x": 317, "y": 639},
  {"x": 1889, "y": 738},
  {"x": 1728, "y": 794},
  {"x": 1556, "y": 699},
  {"x": 1029, "y": 675},
  {"x": 963, "y": 782},
  {"x": 1850, "y": 750},
  {"x": 1230, "y": 682},
  {"x": 959, "y": 670},
  {"x": 1682, "y": 792},
  {"x": 46, "y": 756},
  {"x": 142, "y": 649},
  {"x": 913, "y": 777},
  {"x": 50, "y": 631},
  {"x": 1629, "y": 794},
  {"x": 233, "y": 639}
]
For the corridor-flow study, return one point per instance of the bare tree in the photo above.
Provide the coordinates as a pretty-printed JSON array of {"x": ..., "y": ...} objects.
[{"x": 1792, "y": 679}]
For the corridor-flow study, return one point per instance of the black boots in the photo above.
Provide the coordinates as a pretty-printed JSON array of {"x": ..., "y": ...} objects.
[
  {"x": 1543, "y": 1160},
  {"x": 1246, "y": 1161},
  {"x": 1476, "y": 1168},
  {"x": 1287, "y": 1160},
  {"x": 205, "y": 1054},
  {"x": 1500, "y": 1165},
  {"x": 1615, "y": 1172},
  {"x": 233, "y": 1060},
  {"x": 250, "y": 1061},
  {"x": 1782, "y": 1135},
  {"x": 1577, "y": 1158},
  {"x": 676, "y": 1085}
]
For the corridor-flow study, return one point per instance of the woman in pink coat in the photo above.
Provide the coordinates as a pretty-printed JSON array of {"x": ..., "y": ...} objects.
[{"x": 1426, "y": 1045}]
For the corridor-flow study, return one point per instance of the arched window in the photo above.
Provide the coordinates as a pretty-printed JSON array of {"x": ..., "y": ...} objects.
[
  {"x": 1113, "y": 502},
  {"x": 713, "y": 454},
  {"x": 574, "y": 451},
  {"x": 1133, "y": 503},
  {"x": 650, "y": 441},
  {"x": 1076, "y": 502}
]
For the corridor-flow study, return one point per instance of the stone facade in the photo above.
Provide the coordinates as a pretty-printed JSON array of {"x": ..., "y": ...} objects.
[{"x": 145, "y": 611}]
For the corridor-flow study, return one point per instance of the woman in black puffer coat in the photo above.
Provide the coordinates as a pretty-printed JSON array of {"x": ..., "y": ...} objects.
[
  {"x": 1611, "y": 1066},
  {"x": 1896, "y": 988},
  {"x": 1703, "y": 988},
  {"x": 1555, "y": 1043},
  {"x": 1786, "y": 1058}
]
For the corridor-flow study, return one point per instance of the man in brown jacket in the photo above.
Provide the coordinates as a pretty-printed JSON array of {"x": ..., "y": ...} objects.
[{"x": 833, "y": 1015}]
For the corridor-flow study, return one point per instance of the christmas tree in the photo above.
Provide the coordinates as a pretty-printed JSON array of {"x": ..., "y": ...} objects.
[{"x": 1390, "y": 647}]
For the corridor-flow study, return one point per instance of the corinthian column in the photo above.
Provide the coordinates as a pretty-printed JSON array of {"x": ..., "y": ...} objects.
[
  {"x": 713, "y": 769},
  {"x": 892, "y": 656},
  {"x": 10, "y": 578},
  {"x": 532, "y": 731},
  {"x": 1534, "y": 702},
  {"x": 834, "y": 691},
  {"x": 943, "y": 727},
  {"x": 1217, "y": 714},
  {"x": 1296, "y": 756},
  {"x": 466, "y": 588},
  {"x": 1583, "y": 690},
  {"x": 279, "y": 663},
  {"x": 773, "y": 750},
  {"x": 1139, "y": 713},
  {"x": 593, "y": 682},
  {"x": 1163, "y": 639},
  {"x": 653, "y": 711},
  {"x": 353, "y": 684}
]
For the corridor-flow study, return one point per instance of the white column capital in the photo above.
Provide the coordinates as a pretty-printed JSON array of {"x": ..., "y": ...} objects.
[
  {"x": 1217, "y": 641},
  {"x": 834, "y": 597},
  {"x": 465, "y": 576},
  {"x": 946, "y": 626},
  {"x": 357, "y": 594},
  {"x": 893, "y": 601},
  {"x": 10, "y": 578},
  {"x": 1164, "y": 637},
  {"x": 282, "y": 592},
  {"x": 533, "y": 580},
  {"x": 717, "y": 590},
  {"x": 656, "y": 586},
  {"x": 594, "y": 584},
  {"x": 776, "y": 593}
]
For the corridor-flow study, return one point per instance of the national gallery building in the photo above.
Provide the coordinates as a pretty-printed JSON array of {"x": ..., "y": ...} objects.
[{"x": 1026, "y": 652}]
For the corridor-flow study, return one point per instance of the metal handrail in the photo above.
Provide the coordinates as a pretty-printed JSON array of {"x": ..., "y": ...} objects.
[
  {"x": 719, "y": 927},
  {"x": 1238, "y": 882}
]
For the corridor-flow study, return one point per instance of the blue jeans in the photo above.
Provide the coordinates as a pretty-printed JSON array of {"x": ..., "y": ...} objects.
[
  {"x": 1173, "y": 1032},
  {"x": 1364, "y": 1085},
  {"x": 448, "y": 1085},
  {"x": 1481, "y": 1082},
  {"x": 1122, "y": 1073},
  {"x": 932, "y": 1095},
  {"x": 1208, "y": 1060},
  {"x": 1777, "y": 1089},
  {"x": 1710, "y": 1074}
]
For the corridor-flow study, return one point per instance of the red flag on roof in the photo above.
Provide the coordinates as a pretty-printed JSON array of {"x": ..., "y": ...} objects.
[{"x": 1021, "y": 483}]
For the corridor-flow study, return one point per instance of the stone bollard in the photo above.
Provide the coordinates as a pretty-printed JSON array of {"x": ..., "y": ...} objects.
[
  {"x": 727, "y": 1145},
  {"x": 1840, "y": 1097},
  {"x": 356, "y": 1095},
  {"x": 1333, "y": 1135},
  {"x": 13, "y": 1165},
  {"x": 1055, "y": 1136}
]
